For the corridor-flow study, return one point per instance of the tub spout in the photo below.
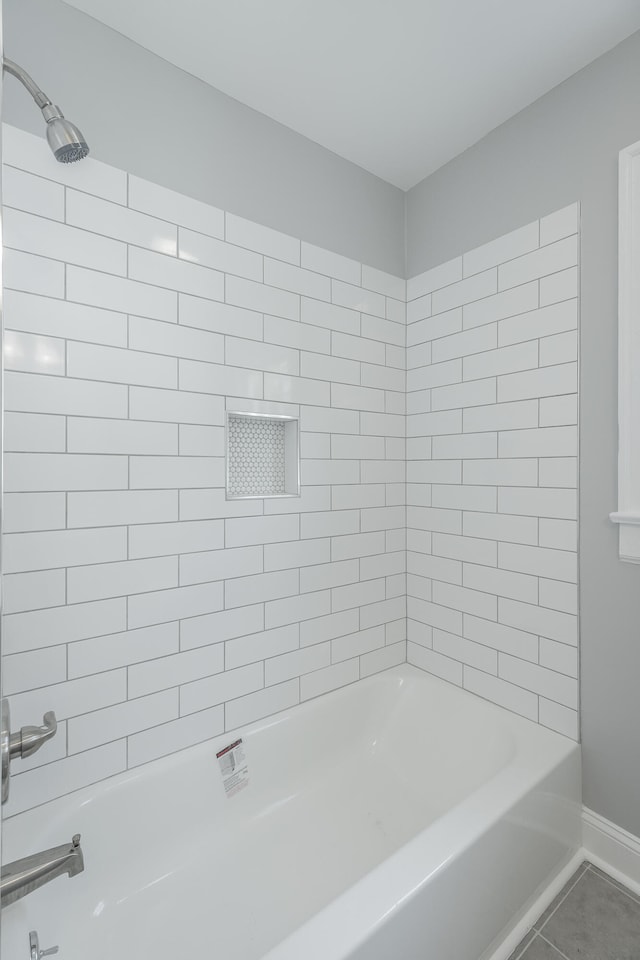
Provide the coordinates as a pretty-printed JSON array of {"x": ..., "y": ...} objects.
[{"x": 26, "y": 875}]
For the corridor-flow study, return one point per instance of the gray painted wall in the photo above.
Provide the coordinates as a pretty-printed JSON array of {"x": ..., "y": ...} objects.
[
  {"x": 144, "y": 115},
  {"x": 564, "y": 148}
]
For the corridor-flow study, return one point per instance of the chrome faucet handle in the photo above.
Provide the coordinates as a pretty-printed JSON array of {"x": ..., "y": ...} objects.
[
  {"x": 21, "y": 744},
  {"x": 29, "y": 739},
  {"x": 34, "y": 946}
]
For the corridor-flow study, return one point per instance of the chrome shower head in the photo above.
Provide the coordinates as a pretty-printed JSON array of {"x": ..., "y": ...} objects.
[{"x": 64, "y": 138}]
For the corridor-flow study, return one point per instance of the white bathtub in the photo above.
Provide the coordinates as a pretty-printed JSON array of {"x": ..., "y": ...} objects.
[{"x": 399, "y": 817}]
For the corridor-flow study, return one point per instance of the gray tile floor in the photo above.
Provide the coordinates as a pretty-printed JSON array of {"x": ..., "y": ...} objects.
[{"x": 593, "y": 918}]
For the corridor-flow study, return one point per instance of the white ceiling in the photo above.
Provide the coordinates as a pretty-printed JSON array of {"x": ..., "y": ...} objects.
[{"x": 396, "y": 86}]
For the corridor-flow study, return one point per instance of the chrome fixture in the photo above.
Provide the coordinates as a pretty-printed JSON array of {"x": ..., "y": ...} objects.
[
  {"x": 64, "y": 138},
  {"x": 23, "y": 743},
  {"x": 34, "y": 946},
  {"x": 28, "y": 874}
]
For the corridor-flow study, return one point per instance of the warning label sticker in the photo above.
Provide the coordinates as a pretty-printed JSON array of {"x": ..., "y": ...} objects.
[{"x": 234, "y": 768}]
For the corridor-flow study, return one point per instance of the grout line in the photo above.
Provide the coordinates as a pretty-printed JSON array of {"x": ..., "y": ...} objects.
[
  {"x": 615, "y": 884},
  {"x": 553, "y": 947},
  {"x": 578, "y": 876}
]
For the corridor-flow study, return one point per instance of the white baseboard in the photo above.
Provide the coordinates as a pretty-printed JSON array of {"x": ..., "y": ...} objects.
[
  {"x": 611, "y": 848},
  {"x": 606, "y": 846},
  {"x": 524, "y": 922}
]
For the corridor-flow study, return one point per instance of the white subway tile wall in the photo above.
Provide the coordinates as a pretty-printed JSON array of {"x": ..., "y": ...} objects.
[
  {"x": 148, "y": 610},
  {"x": 492, "y": 442},
  {"x": 143, "y": 607}
]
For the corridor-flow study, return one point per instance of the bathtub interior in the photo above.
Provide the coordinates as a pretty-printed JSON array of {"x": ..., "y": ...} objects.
[{"x": 336, "y": 786}]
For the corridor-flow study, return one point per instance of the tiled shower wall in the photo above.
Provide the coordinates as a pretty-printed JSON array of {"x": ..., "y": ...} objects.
[
  {"x": 149, "y": 611},
  {"x": 492, "y": 447},
  {"x": 143, "y": 607}
]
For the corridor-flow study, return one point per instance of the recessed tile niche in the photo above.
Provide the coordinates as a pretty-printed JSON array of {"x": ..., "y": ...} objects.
[{"x": 262, "y": 456}]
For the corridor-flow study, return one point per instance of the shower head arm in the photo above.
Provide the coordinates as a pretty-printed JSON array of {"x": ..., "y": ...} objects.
[
  {"x": 64, "y": 138},
  {"x": 16, "y": 71}
]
